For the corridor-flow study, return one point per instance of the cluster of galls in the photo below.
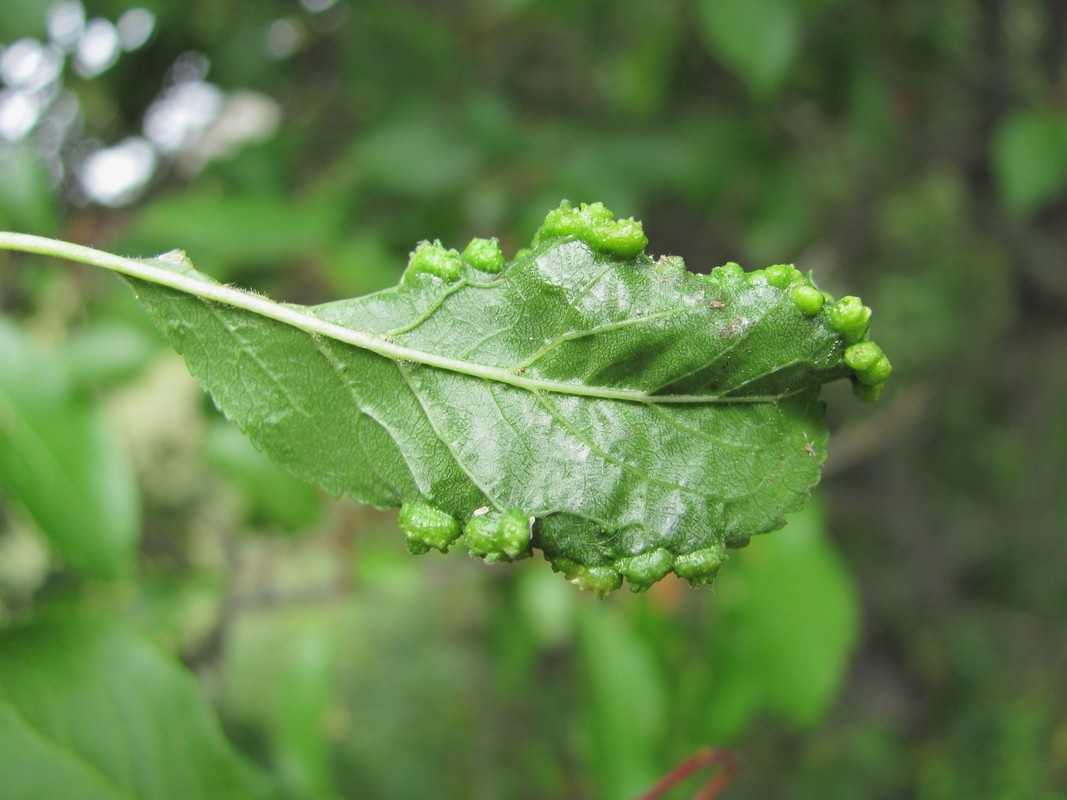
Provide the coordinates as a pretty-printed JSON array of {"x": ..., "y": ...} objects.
[
  {"x": 847, "y": 316},
  {"x": 506, "y": 536},
  {"x": 489, "y": 535},
  {"x": 591, "y": 223},
  {"x": 644, "y": 569},
  {"x": 596, "y": 225},
  {"x": 434, "y": 258}
]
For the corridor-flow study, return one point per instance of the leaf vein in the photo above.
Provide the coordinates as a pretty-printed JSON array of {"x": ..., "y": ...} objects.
[{"x": 338, "y": 372}]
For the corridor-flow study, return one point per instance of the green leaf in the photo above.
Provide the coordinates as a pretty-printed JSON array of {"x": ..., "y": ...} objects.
[
  {"x": 279, "y": 678},
  {"x": 787, "y": 617},
  {"x": 89, "y": 706},
  {"x": 26, "y": 195},
  {"x": 61, "y": 462},
  {"x": 31, "y": 766},
  {"x": 757, "y": 39},
  {"x": 628, "y": 704},
  {"x": 107, "y": 353},
  {"x": 240, "y": 228},
  {"x": 620, "y": 414},
  {"x": 1030, "y": 160},
  {"x": 272, "y": 494}
]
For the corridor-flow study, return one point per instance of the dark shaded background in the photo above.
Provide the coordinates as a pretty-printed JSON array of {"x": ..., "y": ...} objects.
[{"x": 914, "y": 153}]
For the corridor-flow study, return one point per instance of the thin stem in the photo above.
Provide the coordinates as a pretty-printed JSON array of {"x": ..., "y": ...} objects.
[
  {"x": 197, "y": 285},
  {"x": 704, "y": 758}
]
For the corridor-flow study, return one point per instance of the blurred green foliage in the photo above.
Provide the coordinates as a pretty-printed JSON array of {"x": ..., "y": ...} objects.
[{"x": 903, "y": 638}]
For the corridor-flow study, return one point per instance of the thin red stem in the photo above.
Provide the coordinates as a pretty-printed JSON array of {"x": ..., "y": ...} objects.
[{"x": 702, "y": 759}]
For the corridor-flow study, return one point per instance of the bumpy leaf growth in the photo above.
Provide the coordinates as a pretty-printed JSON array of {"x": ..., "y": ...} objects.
[{"x": 622, "y": 415}]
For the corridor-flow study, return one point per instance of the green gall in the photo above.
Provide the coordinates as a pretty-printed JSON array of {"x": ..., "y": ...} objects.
[
  {"x": 849, "y": 317},
  {"x": 782, "y": 275},
  {"x": 498, "y": 537},
  {"x": 595, "y": 225},
  {"x": 869, "y": 362},
  {"x": 877, "y": 373},
  {"x": 645, "y": 569},
  {"x": 565, "y": 565},
  {"x": 807, "y": 298},
  {"x": 435, "y": 259},
  {"x": 427, "y": 528},
  {"x": 625, "y": 238},
  {"x": 728, "y": 272},
  {"x": 599, "y": 580},
  {"x": 867, "y": 393},
  {"x": 484, "y": 255},
  {"x": 862, "y": 355},
  {"x": 700, "y": 566}
]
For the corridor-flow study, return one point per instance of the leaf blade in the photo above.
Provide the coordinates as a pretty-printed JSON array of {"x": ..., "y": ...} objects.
[
  {"x": 637, "y": 416},
  {"x": 90, "y": 694},
  {"x": 32, "y": 766},
  {"x": 59, "y": 460}
]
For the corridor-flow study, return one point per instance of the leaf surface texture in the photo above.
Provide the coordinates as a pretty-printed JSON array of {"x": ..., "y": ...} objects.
[{"x": 634, "y": 417}]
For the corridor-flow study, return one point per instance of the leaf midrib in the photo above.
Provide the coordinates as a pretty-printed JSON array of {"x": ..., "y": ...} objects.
[{"x": 209, "y": 291}]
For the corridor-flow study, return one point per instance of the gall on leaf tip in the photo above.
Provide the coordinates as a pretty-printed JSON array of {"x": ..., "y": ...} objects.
[
  {"x": 783, "y": 275},
  {"x": 870, "y": 364}
]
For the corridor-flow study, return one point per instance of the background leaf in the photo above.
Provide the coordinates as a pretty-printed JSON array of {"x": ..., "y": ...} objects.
[
  {"x": 628, "y": 710},
  {"x": 92, "y": 699},
  {"x": 272, "y": 495},
  {"x": 1030, "y": 160},
  {"x": 31, "y": 766},
  {"x": 758, "y": 39},
  {"x": 786, "y": 620},
  {"x": 60, "y": 460}
]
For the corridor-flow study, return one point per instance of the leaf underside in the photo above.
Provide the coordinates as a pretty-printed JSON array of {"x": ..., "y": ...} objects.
[{"x": 638, "y": 417}]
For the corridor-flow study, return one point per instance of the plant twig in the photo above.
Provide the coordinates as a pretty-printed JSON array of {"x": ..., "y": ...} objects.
[{"x": 704, "y": 758}]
